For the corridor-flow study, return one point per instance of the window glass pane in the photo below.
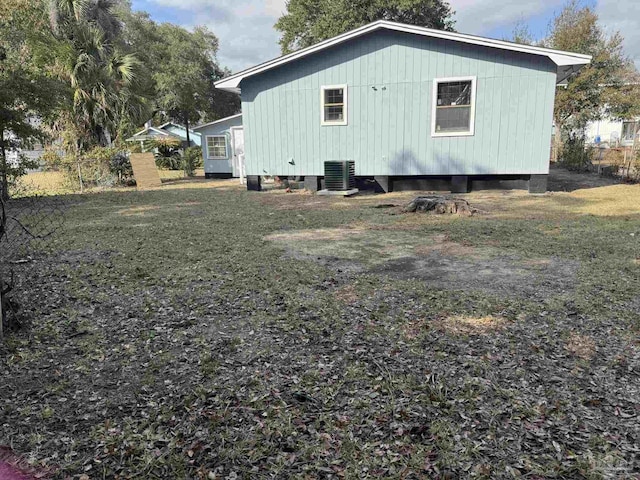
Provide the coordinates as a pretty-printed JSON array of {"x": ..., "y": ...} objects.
[
  {"x": 453, "y": 119},
  {"x": 453, "y": 107},
  {"x": 217, "y": 146},
  {"x": 334, "y": 95},
  {"x": 334, "y": 113},
  {"x": 454, "y": 93}
]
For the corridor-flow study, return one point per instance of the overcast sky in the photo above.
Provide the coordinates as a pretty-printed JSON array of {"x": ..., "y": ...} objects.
[{"x": 247, "y": 37}]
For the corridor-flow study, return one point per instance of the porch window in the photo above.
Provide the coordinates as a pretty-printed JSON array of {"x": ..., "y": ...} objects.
[
  {"x": 453, "y": 106},
  {"x": 217, "y": 147},
  {"x": 333, "y": 100}
]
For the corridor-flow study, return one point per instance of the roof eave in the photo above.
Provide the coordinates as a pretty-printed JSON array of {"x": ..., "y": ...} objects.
[
  {"x": 220, "y": 120},
  {"x": 560, "y": 58}
]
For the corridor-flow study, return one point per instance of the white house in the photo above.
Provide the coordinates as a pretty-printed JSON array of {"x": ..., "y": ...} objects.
[{"x": 612, "y": 133}]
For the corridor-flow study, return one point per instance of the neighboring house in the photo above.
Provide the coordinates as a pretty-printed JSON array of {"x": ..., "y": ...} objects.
[
  {"x": 32, "y": 152},
  {"x": 405, "y": 103},
  {"x": 222, "y": 146},
  {"x": 613, "y": 133},
  {"x": 166, "y": 130}
]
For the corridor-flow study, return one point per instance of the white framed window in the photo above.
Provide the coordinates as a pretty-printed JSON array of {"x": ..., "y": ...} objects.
[
  {"x": 333, "y": 103},
  {"x": 217, "y": 147},
  {"x": 454, "y": 105}
]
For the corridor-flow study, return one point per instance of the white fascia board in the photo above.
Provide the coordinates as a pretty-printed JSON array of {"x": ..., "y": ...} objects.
[
  {"x": 217, "y": 121},
  {"x": 150, "y": 129},
  {"x": 560, "y": 58}
]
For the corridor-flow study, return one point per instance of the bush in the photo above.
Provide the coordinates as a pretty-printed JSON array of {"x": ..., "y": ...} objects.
[
  {"x": 574, "y": 154},
  {"x": 169, "y": 161},
  {"x": 167, "y": 152},
  {"x": 192, "y": 160},
  {"x": 120, "y": 165},
  {"x": 99, "y": 167}
]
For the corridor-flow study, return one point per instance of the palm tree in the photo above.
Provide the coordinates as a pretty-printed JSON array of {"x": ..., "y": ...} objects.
[{"x": 101, "y": 75}]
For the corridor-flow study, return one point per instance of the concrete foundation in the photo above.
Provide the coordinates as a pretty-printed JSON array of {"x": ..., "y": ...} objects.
[
  {"x": 218, "y": 175},
  {"x": 432, "y": 184},
  {"x": 538, "y": 183},
  {"x": 460, "y": 184},
  {"x": 487, "y": 183},
  {"x": 383, "y": 184},
  {"x": 312, "y": 183},
  {"x": 254, "y": 183}
]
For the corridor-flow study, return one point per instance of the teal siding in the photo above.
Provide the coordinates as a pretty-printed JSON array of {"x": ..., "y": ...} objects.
[
  {"x": 389, "y": 127},
  {"x": 221, "y": 128}
]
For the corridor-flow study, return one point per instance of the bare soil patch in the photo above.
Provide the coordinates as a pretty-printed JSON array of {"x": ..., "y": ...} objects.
[
  {"x": 563, "y": 180},
  {"x": 433, "y": 260}
]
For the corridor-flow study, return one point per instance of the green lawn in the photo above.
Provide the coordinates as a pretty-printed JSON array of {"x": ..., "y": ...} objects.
[{"x": 215, "y": 333}]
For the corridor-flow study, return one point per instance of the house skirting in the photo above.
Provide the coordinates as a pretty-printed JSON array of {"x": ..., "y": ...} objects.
[
  {"x": 535, "y": 183},
  {"x": 467, "y": 183},
  {"x": 218, "y": 175}
]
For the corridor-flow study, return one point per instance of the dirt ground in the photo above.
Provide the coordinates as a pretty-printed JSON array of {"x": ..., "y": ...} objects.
[{"x": 563, "y": 180}]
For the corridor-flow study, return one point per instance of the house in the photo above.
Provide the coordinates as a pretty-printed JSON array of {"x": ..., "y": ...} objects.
[
  {"x": 18, "y": 151},
  {"x": 222, "y": 147},
  {"x": 167, "y": 130},
  {"x": 410, "y": 106},
  {"x": 611, "y": 133}
]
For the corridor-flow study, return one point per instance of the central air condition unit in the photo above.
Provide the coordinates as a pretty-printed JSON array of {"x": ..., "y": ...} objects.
[{"x": 339, "y": 176}]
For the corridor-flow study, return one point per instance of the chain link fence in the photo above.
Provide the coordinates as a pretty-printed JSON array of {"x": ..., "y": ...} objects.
[{"x": 27, "y": 225}]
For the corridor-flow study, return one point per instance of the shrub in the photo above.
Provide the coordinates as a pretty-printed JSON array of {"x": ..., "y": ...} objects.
[
  {"x": 120, "y": 165},
  {"x": 167, "y": 152},
  {"x": 574, "y": 154},
  {"x": 192, "y": 160},
  {"x": 101, "y": 167},
  {"x": 614, "y": 157}
]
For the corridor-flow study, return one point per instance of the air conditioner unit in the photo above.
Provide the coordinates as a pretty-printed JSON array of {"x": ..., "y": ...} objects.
[{"x": 339, "y": 176}]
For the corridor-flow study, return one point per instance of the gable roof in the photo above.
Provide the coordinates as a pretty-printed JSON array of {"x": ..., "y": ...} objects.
[
  {"x": 150, "y": 132},
  {"x": 221, "y": 120},
  {"x": 567, "y": 62},
  {"x": 173, "y": 124}
]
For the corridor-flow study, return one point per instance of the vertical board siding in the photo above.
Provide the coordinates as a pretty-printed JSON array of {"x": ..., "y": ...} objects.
[
  {"x": 222, "y": 128},
  {"x": 389, "y": 78}
]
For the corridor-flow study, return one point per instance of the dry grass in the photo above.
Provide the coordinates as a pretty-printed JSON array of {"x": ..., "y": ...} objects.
[
  {"x": 456, "y": 325},
  {"x": 316, "y": 234},
  {"x": 50, "y": 182},
  {"x": 466, "y": 325},
  {"x": 177, "y": 174},
  {"x": 138, "y": 210},
  {"x": 440, "y": 245},
  {"x": 581, "y": 346},
  {"x": 347, "y": 295},
  {"x": 609, "y": 201}
]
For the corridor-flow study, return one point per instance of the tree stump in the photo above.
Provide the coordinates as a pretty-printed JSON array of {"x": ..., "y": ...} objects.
[{"x": 440, "y": 205}]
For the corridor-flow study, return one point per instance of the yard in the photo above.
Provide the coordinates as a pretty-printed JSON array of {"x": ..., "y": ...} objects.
[{"x": 211, "y": 332}]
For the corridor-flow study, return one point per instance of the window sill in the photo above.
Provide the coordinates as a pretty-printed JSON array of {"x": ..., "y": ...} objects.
[
  {"x": 452, "y": 134},
  {"x": 333, "y": 124}
]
